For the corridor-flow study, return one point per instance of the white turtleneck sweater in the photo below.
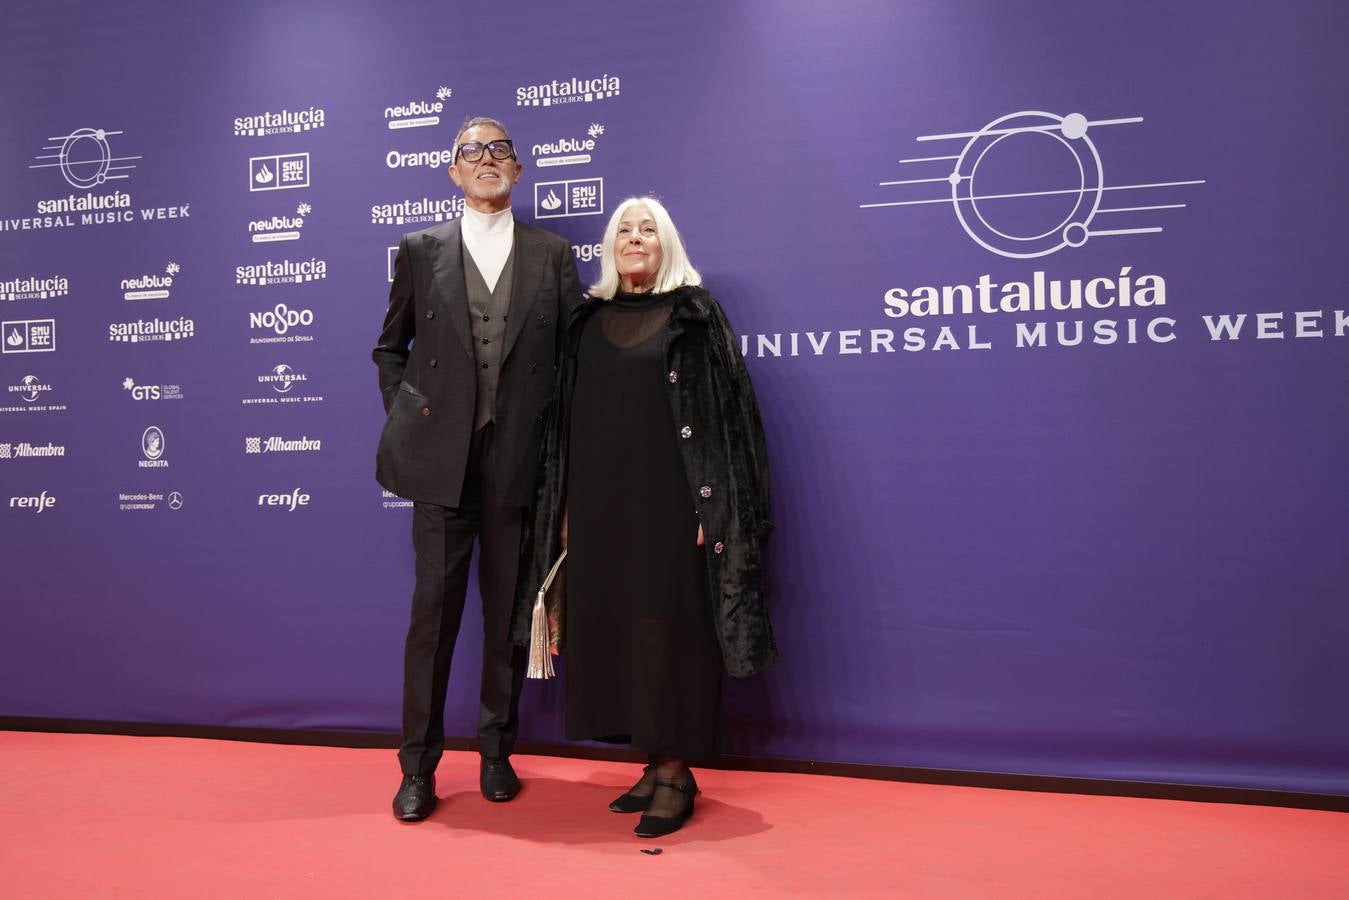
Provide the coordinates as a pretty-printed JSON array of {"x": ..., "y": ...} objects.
[{"x": 488, "y": 238}]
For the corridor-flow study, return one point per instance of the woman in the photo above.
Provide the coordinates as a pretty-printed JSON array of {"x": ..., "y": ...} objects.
[{"x": 656, "y": 479}]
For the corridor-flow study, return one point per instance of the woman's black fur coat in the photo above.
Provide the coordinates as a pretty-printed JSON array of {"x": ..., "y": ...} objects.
[{"x": 711, "y": 394}]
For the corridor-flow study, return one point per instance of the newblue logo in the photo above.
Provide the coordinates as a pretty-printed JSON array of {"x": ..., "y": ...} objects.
[
  {"x": 279, "y": 228},
  {"x": 150, "y": 287},
  {"x": 568, "y": 151},
  {"x": 418, "y": 113}
]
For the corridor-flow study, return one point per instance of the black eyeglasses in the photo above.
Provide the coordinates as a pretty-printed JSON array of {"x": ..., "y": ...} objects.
[{"x": 472, "y": 151}]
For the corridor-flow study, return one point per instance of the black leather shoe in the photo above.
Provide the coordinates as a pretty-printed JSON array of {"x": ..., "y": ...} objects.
[
  {"x": 497, "y": 779},
  {"x": 631, "y": 801},
  {"x": 658, "y": 826},
  {"x": 416, "y": 798}
]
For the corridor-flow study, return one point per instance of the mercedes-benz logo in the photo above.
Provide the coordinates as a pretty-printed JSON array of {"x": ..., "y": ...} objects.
[{"x": 175, "y": 500}]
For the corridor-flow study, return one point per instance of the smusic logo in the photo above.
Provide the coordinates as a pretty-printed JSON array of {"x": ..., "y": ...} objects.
[
  {"x": 28, "y": 336},
  {"x": 278, "y": 173}
]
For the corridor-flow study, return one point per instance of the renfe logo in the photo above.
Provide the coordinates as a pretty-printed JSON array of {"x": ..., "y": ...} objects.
[
  {"x": 291, "y": 501},
  {"x": 41, "y": 502}
]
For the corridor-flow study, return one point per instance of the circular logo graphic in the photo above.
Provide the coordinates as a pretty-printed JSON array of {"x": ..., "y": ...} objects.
[
  {"x": 31, "y": 388},
  {"x": 175, "y": 500},
  {"x": 1028, "y": 184},
  {"x": 152, "y": 442},
  {"x": 283, "y": 382},
  {"x": 85, "y": 157}
]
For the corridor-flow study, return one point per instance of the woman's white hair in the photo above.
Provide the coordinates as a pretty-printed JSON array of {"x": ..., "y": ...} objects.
[{"x": 675, "y": 269}]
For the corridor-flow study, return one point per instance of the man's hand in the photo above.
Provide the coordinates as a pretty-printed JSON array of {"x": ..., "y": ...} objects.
[{"x": 564, "y": 530}]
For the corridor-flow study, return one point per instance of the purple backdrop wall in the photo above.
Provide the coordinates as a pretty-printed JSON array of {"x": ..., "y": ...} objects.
[{"x": 999, "y": 548}]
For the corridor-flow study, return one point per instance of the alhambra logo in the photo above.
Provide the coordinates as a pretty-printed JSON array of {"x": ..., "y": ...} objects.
[
  {"x": 568, "y": 151},
  {"x": 418, "y": 113},
  {"x": 417, "y": 212},
  {"x": 278, "y": 444},
  {"x": 570, "y": 90},
  {"x": 283, "y": 271},
  {"x": 150, "y": 287},
  {"x": 280, "y": 228},
  {"x": 35, "y": 287},
  {"x": 284, "y": 121},
  {"x": 1030, "y": 183}
]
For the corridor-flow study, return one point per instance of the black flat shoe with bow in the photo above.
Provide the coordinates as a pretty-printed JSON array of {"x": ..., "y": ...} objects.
[{"x": 651, "y": 826}]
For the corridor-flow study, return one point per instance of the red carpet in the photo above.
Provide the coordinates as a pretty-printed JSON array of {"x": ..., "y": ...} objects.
[{"x": 95, "y": 816}]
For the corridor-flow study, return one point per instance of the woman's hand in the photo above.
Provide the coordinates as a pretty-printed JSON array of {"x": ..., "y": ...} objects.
[
  {"x": 700, "y": 534},
  {"x": 564, "y": 530}
]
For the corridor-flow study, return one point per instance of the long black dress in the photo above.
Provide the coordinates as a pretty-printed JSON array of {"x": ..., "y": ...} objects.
[{"x": 643, "y": 665}]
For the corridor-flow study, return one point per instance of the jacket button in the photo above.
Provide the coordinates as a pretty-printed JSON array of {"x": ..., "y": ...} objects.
[
  {"x": 484, "y": 365},
  {"x": 533, "y": 367},
  {"x": 486, "y": 318},
  {"x": 485, "y": 341},
  {"x": 433, "y": 362},
  {"x": 430, "y": 313},
  {"x": 704, "y": 492},
  {"x": 673, "y": 376},
  {"x": 718, "y": 547},
  {"x": 686, "y": 432},
  {"x": 426, "y": 410}
]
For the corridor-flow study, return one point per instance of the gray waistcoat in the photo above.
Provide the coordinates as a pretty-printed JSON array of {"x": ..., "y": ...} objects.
[{"x": 487, "y": 316}]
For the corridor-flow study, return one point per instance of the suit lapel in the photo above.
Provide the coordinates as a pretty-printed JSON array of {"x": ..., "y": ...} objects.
[
  {"x": 530, "y": 256},
  {"x": 445, "y": 249}
]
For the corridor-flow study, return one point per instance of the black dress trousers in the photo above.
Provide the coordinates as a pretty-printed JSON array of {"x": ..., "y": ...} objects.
[{"x": 443, "y": 538}]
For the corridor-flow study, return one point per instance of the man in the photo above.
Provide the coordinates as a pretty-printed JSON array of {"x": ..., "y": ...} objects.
[{"x": 466, "y": 362}]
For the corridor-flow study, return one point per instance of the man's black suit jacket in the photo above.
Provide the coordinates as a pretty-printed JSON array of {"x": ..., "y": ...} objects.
[{"x": 426, "y": 364}]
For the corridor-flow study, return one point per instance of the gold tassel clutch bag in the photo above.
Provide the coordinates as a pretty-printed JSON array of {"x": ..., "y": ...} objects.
[{"x": 545, "y": 631}]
